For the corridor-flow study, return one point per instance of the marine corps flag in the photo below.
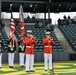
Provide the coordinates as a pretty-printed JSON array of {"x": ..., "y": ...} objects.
[
  {"x": 12, "y": 25},
  {"x": 21, "y": 22}
]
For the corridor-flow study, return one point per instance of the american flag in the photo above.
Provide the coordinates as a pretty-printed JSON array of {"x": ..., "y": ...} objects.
[
  {"x": 12, "y": 25},
  {"x": 22, "y": 31}
]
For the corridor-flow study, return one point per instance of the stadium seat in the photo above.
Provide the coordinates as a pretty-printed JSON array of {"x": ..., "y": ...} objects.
[
  {"x": 4, "y": 39},
  {"x": 69, "y": 33},
  {"x": 39, "y": 33}
]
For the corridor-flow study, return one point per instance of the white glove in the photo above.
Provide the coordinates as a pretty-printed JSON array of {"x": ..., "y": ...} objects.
[{"x": 32, "y": 36}]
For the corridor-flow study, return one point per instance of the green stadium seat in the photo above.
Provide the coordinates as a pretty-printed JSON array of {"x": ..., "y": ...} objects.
[
  {"x": 69, "y": 32},
  {"x": 39, "y": 33},
  {"x": 4, "y": 38}
]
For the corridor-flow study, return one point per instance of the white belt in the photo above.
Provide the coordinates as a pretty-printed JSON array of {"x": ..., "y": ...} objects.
[
  {"x": 47, "y": 46},
  {"x": 29, "y": 46}
]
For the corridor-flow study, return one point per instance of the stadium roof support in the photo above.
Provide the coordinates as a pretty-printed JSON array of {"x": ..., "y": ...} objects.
[
  {"x": 24, "y": 1},
  {"x": 0, "y": 8},
  {"x": 48, "y": 12},
  {"x": 50, "y": 1},
  {"x": 45, "y": 17}
]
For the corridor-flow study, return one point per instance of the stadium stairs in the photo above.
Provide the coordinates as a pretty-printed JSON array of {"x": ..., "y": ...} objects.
[
  {"x": 64, "y": 43},
  {"x": 69, "y": 31}
]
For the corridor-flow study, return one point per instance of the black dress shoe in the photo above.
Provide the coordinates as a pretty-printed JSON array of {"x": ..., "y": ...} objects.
[
  {"x": 27, "y": 71},
  {"x": 45, "y": 70},
  {"x": 11, "y": 67},
  {"x": 32, "y": 71}
]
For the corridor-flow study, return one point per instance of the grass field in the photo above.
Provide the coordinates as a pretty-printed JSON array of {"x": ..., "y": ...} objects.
[{"x": 60, "y": 68}]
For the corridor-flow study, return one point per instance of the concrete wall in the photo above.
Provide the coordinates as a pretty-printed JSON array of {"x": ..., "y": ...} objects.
[{"x": 39, "y": 57}]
